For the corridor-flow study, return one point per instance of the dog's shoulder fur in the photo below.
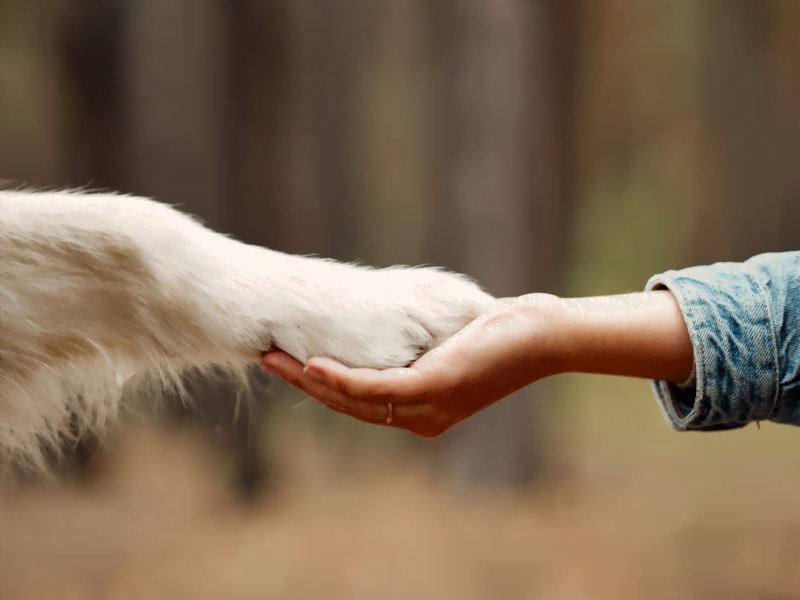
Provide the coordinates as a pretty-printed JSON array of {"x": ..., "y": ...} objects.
[{"x": 105, "y": 297}]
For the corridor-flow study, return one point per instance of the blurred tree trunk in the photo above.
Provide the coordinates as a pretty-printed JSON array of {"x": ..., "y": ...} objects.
[
  {"x": 90, "y": 54},
  {"x": 498, "y": 215},
  {"x": 177, "y": 105},
  {"x": 753, "y": 190},
  {"x": 390, "y": 143},
  {"x": 281, "y": 200}
]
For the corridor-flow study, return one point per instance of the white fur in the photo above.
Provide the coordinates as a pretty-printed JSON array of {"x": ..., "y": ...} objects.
[{"x": 106, "y": 297}]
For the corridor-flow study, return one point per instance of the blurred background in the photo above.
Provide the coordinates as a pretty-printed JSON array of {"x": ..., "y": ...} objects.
[{"x": 569, "y": 147}]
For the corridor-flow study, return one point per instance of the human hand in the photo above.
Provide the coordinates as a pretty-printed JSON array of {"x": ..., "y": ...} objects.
[{"x": 497, "y": 354}]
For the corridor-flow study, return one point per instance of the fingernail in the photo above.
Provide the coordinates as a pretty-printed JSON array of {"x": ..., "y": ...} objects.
[
  {"x": 315, "y": 375},
  {"x": 270, "y": 369}
]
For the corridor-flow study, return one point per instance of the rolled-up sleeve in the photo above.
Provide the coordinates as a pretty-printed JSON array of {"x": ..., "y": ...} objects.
[{"x": 744, "y": 323}]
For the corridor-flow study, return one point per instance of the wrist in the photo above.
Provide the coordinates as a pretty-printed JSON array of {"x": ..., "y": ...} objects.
[
  {"x": 545, "y": 339},
  {"x": 561, "y": 335},
  {"x": 638, "y": 335}
]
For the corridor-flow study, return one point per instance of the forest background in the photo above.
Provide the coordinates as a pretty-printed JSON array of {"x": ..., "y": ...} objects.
[{"x": 569, "y": 147}]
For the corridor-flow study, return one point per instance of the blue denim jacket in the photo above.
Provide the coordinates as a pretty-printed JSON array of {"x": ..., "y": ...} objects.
[{"x": 744, "y": 323}]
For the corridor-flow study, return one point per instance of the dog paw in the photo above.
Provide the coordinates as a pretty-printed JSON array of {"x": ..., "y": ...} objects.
[{"x": 378, "y": 318}]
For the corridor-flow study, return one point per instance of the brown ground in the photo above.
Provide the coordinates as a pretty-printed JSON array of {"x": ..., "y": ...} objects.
[{"x": 159, "y": 526}]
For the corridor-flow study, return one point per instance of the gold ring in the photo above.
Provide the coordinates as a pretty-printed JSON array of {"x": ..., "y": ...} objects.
[{"x": 389, "y": 412}]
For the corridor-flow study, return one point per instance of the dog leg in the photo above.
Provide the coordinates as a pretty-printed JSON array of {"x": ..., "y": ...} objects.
[{"x": 102, "y": 295}]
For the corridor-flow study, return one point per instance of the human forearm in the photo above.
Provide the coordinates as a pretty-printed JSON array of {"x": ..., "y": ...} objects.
[{"x": 636, "y": 335}]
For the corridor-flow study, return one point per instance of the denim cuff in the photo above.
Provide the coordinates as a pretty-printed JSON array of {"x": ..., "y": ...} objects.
[{"x": 727, "y": 312}]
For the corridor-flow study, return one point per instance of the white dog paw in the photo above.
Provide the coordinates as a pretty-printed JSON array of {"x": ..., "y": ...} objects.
[{"x": 379, "y": 318}]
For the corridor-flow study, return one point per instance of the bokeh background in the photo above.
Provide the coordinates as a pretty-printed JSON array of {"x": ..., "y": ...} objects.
[{"x": 567, "y": 147}]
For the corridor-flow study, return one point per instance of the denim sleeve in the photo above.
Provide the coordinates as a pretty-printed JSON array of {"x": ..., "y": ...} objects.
[{"x": 744, "y": 323}]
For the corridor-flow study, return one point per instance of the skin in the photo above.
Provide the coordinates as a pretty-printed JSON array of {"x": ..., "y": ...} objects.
[{"x": 521, "y": 341}]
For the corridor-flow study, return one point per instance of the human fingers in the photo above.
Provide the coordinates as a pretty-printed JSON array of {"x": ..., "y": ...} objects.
[
  {"x": 413, "y": 415},
  {"x": 371, "y": 385},
  {"x": 291, "y": 371}
]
